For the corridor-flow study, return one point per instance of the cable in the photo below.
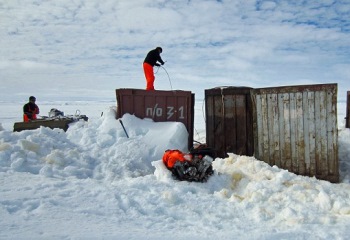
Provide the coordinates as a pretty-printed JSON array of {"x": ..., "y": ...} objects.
[
  {"x": 157, "y": 70},
  {"x": 171, "y": 86}
]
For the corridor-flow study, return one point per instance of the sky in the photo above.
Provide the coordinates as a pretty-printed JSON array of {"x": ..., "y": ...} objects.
[
  {"x": 84, "y": 50},
  {"x": 93, "y": 182}
]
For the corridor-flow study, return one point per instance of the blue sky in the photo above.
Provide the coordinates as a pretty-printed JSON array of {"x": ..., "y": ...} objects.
[{"x": 83, "y": 50}]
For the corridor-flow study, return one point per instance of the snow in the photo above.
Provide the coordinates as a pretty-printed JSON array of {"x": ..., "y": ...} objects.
[{"x": 93, "y": 182}]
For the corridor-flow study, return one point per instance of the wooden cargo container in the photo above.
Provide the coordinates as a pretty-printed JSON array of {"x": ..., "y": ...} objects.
[
  {"x": 229, "y": 127},
  {"x": 292, "y": 127},
  {"x": 295, "y": 128},
  {"x": 347, "y": 118}
]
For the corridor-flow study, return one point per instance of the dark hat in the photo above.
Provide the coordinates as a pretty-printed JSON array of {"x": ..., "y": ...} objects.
[
  {"x": 32, "y": 98},
  {"x": 159, "y": 48}
]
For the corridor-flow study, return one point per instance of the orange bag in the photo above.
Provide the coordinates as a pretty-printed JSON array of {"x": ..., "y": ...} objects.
[{"x": 171, "y": 156}]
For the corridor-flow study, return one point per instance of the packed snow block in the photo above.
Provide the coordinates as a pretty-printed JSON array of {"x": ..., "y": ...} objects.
[
  {"x": 162, "y": 173},
  {"x": 160, "y": 106},
  {"x": 292, "y": 127}
]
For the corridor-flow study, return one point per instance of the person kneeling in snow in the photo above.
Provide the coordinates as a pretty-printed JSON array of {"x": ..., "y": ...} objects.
[
  {"x": 30, "y": 110},
  {"x": 189, "y": 167}
]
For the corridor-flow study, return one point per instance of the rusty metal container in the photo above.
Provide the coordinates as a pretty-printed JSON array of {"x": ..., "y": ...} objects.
[
  {"x": 161, "y": 106},
  {"x": 347, "y": 118},
  {"x": 295, "y": 128},
  {"x": 229, "y": 126}
]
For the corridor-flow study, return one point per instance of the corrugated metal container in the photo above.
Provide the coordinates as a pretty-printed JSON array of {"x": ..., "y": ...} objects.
[
  {"x": 295, "y": 128},
  {"x": 161, "y": 106},
  {"x": 347, "y": 118},
  {"x": 292, "y": 127},
  {"x": 229, "y": 120}
]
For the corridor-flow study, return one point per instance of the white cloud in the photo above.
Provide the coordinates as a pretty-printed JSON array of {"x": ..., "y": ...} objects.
[
  {"x": 268, "y": 5},
  {"x": 203, "y": 41}
]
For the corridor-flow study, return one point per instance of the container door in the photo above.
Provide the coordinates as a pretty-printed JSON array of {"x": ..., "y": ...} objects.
[
  {"x": 295, "y": 128},
  {"x": 229, "y": 120}
]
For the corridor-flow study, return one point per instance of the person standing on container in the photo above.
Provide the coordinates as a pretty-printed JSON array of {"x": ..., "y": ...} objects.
[
  {"x": 30, "y": 110},
  {"x": 151, "y": 60}
]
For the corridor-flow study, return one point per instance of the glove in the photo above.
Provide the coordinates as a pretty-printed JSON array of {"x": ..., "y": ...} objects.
[
  {"x": 163, "y": 63},
  {"x": 157, "y": 64}
]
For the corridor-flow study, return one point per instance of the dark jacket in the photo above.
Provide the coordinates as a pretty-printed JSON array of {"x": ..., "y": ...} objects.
[
  {"x": 152, "y": 57},
  {"x": 31, "y": 109}
]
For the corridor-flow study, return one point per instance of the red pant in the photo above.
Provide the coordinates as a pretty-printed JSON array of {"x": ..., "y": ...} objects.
[
  {"x": 26, "y": 118},
  {"x": 149, "y": 74}
]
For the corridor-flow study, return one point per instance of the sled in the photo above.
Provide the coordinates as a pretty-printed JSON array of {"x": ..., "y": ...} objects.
[{"x": 62, "y": 123}]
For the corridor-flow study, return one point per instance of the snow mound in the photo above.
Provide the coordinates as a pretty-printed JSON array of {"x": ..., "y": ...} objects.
[
  {"x": 98, "y": 149},
  {"x": 274, "y": 194}
]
